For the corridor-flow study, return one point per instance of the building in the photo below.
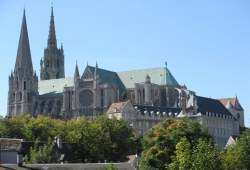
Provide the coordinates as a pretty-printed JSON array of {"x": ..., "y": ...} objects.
[
  {"x": 154, "y": 94},
  {"x": 10, "y": 150}
]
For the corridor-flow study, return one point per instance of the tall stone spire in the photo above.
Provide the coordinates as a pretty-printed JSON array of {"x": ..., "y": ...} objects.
[
  {"x": 52, "y": 32},
  {"x": 23, "y": 83},
  {"x": 23, "y": 64},
  {"x": 52, "y": 64}
]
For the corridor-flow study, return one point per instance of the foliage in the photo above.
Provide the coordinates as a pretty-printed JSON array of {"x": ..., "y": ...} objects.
[
  {"x": 238, "y": 156},
  {"x": 42, "y": 154},
  {"x": 159, "y": 144},
  {"x": 90, "y": 140},
  {"x": 111, "y": 167},
  {"x": 206, "y": 156},
  {"x": 101, "y": 139},
  {"x": 14, "y": 127},
  {"x": 182, "y": 160},
  {"x": 42, "y": 128}
]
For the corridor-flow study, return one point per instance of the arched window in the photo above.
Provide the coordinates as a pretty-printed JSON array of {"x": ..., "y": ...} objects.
[
  {"x": 86, "y": 98},
  {"x": 24, "y": 85},
  {"x": 58, "y": 63},
  {"x": 20, "y": 96}
]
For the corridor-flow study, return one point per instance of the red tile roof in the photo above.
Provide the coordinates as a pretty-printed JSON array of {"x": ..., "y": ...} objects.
[{"x": 233, "y": 101}]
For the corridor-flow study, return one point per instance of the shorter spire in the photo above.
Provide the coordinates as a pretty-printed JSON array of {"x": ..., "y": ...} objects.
[
  {"x": 166, "y": 64},
  {"x": 148, "y": 79},
  {"x": 77, "y": 75},
  {"x": 95, "y": 73},
  {"x": 62, "y": 46}
]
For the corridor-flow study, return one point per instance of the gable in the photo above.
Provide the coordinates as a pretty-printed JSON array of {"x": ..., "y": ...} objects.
[
  {"x": 105, "y": 77},
  {"x": 88, "y": 73}
]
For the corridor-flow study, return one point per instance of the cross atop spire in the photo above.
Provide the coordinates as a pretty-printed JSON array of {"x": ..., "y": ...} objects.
[
  {"x": 52, "y": 33},
  {"x": 23, "y": 59}
]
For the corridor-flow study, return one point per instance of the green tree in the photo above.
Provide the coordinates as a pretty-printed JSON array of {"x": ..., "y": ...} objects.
[
  {"x": 42, "y": 153},
  {"x": 183, "y": 158},
  {"x": 100, "y": 139},
  {"x": 206, "y": 156},
  {"x": 14, "y": 127},
  {"x": 42, "y": 128},
  {"x": 110, "y": 167},
  {"x": 159, "y": 143},
  {"x": 237, "y": 157},
  {"x": 92, "y": 140}
]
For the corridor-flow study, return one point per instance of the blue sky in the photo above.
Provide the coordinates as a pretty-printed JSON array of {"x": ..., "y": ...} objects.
[{"x": 206, "y": 43}]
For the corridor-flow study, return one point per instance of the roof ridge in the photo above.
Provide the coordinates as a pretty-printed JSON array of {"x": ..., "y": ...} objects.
[
  {"x": 101, "y": 69},
  {"x": 141, "y": 69}
]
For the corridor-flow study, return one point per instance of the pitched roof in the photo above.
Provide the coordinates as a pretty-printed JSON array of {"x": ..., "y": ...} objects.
[
  {"x": 106, "y": 76},
  {"x": 211, "y": 105},
  {"x": 117, "y": 107},
  {"x": 142, "y": 108},
  {"x": 160, "y": 76},
  {"x": 10, "y": 144},
  {"x": 54, "y": 86},
  {"x": 232, "y": 101}
]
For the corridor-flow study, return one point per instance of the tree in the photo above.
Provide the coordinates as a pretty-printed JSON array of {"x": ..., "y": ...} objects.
[
  {"x": 42, "y": 128},
  {"x": 100, "y": 139},
  {"x": 110, "y": 167},
  {"x": 206, "y": 156},
  {"x": 159, "y": 144},
  {"x": 43, "y": 153},
  {"x": 90, "y": 140},
  {"x": 14, "y": 127},
  {"x": 237, "y": 157},
  {"x": 183, "y": 158}
]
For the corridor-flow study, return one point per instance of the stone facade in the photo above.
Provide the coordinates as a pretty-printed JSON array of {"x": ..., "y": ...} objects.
[{"x": 92, "y": 93}]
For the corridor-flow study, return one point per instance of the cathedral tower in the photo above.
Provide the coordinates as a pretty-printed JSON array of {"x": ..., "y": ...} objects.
[
  {"x": 23, "y": 82},
  {"x": 52, "y": 64}
]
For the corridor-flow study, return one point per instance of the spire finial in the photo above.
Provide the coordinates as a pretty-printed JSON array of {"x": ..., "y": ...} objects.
[
  {"x": 147, "y": 79},
  {"x": 52, "y": 13},
  {"x": 52, "y": 33},
  {"x": 166, "y": 64},
  {"x": 61, "y": 46}
]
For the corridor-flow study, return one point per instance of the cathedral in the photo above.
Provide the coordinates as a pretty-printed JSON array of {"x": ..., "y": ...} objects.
[{"x": 142, "y": 97}]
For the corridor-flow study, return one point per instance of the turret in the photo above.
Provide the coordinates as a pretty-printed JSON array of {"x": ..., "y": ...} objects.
[
  {"x": 147, "y": 88},
  {"x": 76, "y": 74}
]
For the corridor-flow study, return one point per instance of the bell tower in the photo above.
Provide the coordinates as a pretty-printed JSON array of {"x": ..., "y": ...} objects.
[
  {"x": 23, "y": 82},
  {"x": 52, "y": 64}
]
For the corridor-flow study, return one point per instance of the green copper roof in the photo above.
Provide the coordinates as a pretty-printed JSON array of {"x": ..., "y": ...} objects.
[
  {"x": 161, "y": 76},
  {"x": 54, "y": 86},
  {"x": 106, "y": 76}
]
